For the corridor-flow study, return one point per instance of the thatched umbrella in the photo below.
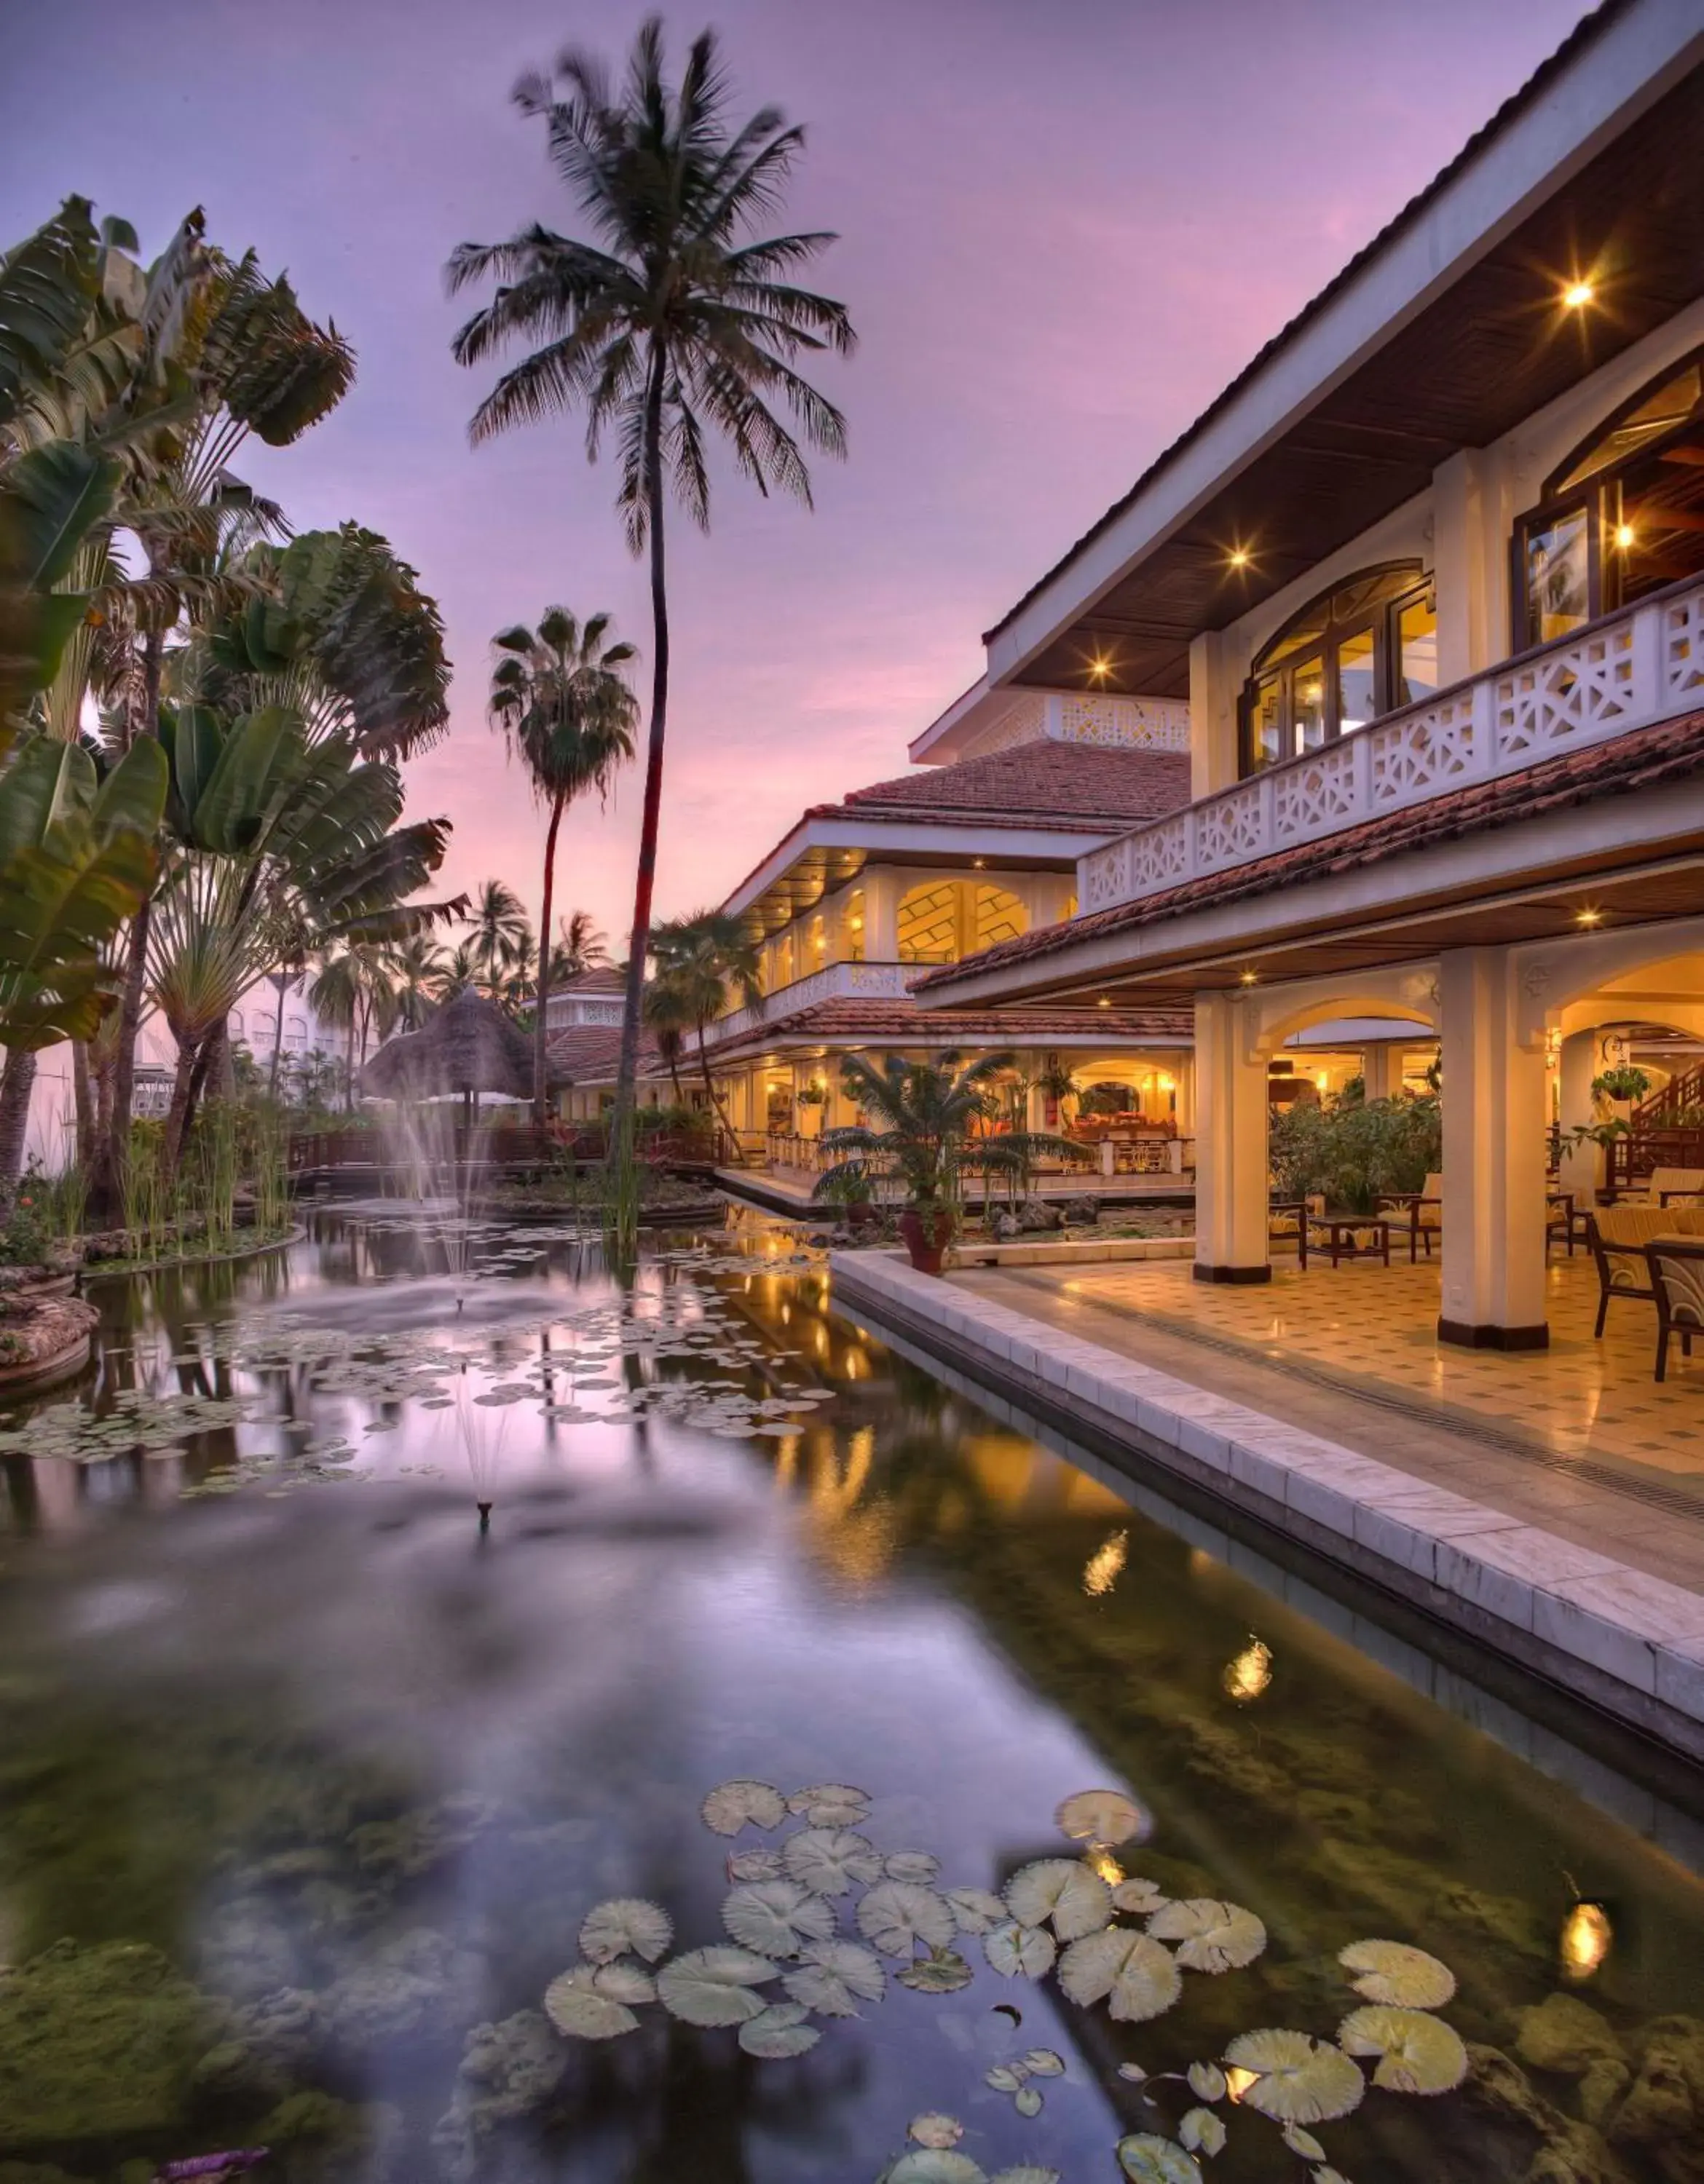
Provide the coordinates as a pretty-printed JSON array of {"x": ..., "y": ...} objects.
[{"x": 469, "y": 1046}]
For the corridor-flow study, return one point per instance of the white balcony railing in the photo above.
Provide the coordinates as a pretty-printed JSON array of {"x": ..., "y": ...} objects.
[
  {"x": 1628, "y": 669},
  {"x": 867, "y": 982}
]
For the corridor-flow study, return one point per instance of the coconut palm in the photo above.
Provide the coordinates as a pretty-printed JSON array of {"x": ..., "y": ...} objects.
[
  {"x": 705, "y": 964},
  {"x": 669, "y": 1016},
  {"x": 580, "y": 947},
  {"x": 461, "y": 970},
  {"x": 565, "y": 709},
  {"x": 672, "y": 325},
  {"x": 499, "y": 927},
  {"x": 355, "y": 991},
  {"x": 419, "y": 967}
]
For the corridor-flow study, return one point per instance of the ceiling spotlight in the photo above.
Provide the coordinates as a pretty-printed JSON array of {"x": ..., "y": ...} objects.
[
  {"x": 1239, "y": 557},
  {"x": 1623, "y": 536},
  {"x": 1588, "y": 918},
  {"x": 1100, "y": 667},
  {"x": 1104, "y": 1002},
  {"x": 1577, "y": 295},
  {"x": 979, "y": 864},
  {"x": 1249, "y": 977}
]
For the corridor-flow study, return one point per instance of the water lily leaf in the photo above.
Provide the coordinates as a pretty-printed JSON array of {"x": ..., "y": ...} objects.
[
  {"x": 1134, "y": 2072},
  {"x": 1027, "y": 2101},
  {"x": 731, "y": 1805},
  {"x": 1213, "y": 1936},
  {"x": 776, "y": 1917},
  {"x": 1064, "y": 1890},
  {"x": 1207, "y": 2082},
  {"x": 943, "y": 1971},
  {"x": 836, "y": 1970},
  {"x": 1025, "y": 2173},
  {"x": 1417, "y": 2053},
  {"x": 1102, "y": 1816},
  {"x": 1147, "y": 2159},
  {"x": 1042, "y": 2063},
  {"x": 1138, "y": 1978},
  {"x": 1005, "y": 2077},
  {"x": 935, "y": 2130},
  {"x": 829, "y": 1861},
  {"x": 830, "y": 1804},
  {"x": 576, "y": 2008},
  {"x": 976, "y": 1910},
  {"x": 929, "y": 2164},
  {"x": 626, "y": 1926},
  {"x": 912, "y": 1866},
  {"x": 898, "y": 1914},
  {"x": 1202, "y": 2132},
  {"x": 1329, "y": 2176},
  {"x": 755, "y": 1865},
  {"x": 1011, "y": 1948},
  {"x": 1303, "y": 2143},
  {"x": 1393, "y": 1972},
  {"x": 1136, "y": 1895},
  {"x": 778, "y": 2032},
  {"x": 1298, "y": 2079},
  {"x": 713, "y": 1986},
  {"x": 627, "y": 1983}
]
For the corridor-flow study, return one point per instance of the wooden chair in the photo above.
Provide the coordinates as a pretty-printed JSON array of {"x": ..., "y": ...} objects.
[
  {"x": 1421, "y": 1211},
  {"x": 1667, "y": 1186},
  {"x": 1618, "y": 1235},
  {"x": 1677, "y": 1282},
  {"x": 1287, "y": 1223}
]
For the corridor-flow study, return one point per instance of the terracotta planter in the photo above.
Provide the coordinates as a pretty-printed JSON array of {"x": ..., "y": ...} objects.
[{"x": 926, "y": 1237}]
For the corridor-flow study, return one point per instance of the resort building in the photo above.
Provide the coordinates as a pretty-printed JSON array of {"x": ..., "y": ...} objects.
[
  {"x": 582, "y": 1027},
  {"x": 1429, "y": 577}
]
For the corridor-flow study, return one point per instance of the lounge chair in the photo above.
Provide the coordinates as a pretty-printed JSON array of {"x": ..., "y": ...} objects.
[
  {"x": 1677, "y": 1281},
  {"x": 1419, "y": 1212},
  {"x": 1287, "y": 1223},
  {"x": 1618, "y": 1235},
  {"x": 1667, "y": 1186}
]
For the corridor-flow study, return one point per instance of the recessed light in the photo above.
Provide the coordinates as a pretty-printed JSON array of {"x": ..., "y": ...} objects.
[
  {"x": 1239, "y": 557},
  {"x": 1577, "y": 295},
  {"x": 1623, "y": 536},
  {"x": 1103, "y": 1002},
  {"x": 1249, "y": 977},
  {"x": 1588, "y": 918}
]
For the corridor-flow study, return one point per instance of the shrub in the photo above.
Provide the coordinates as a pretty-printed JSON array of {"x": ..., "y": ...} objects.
[{"x": 1356, "y": 1151}]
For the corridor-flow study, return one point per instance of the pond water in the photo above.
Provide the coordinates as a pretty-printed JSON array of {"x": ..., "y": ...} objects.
[{"x": 308, "y": 1781}]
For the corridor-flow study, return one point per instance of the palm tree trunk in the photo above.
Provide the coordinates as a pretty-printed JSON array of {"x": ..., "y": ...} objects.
[
  {"x": 277, "y": 1040},
  {"x": 106, "y": 1192},
  {"x": 639, "y": 942},
  {"x": 83, "y": 1092},
  {"x": 540, "y": 1046},
  {"x": 177, "y": 1114},
  {"x": 17, "y": 1082},
  {"x": 716, "y": 1107}
]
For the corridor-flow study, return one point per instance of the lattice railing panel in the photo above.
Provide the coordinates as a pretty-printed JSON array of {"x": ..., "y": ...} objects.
[
  {"x": 1422, "y": 753},
  {"x": 1317, "y": 794}
]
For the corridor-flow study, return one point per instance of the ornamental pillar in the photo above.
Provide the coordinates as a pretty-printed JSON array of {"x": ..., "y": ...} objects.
[
  {"x": 1232, "y": 1191},
  {"x": 1581, "y": 1167}
]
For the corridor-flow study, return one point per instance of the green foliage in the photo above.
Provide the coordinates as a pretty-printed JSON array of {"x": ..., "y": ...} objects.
[
  {"x": 26, "y": 1236},
  {"x": 1624, "y": 1081},
  {"x": 1356, "y": 1151},
  {"x": 1110, "y": 1098}
]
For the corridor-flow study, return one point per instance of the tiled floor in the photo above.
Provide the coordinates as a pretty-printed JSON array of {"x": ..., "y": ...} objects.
[{"x": 1579, "y": 1438}]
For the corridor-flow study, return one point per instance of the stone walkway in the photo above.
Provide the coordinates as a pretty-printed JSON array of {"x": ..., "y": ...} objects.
[{"x": 1579, "y": 1439}]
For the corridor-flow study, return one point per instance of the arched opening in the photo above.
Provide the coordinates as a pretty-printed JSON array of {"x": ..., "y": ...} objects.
[
  {"x": 1621, "y": 516},
  {"x": 1364, "y": 648},
  {"x": 943, "y": 920}
]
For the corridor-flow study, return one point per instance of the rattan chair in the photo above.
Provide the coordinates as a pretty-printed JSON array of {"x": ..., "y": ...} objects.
[{"x": 1677, "y": 1282}]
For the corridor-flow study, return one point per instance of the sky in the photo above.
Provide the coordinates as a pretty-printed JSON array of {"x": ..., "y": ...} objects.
[{"x": 1065, "y": 224}]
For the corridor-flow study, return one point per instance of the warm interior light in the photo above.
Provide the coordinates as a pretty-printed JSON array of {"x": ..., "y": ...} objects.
[
  {"x": 1239, "y": 557},
  {"x": 1248, "y": 1674},
  {"x": 1247, "y": 977},
  {"x": 1104, "y": 1002},
  {"x": 1100, "y": 667},
  {"x": 1238, "y": 2081},
  {"x": 1588, "y": 916},
  {"x": 1577, "y": 295},
  {"x": 979, "y": 864},
  {"x": 857, "y": 925},
  {"x": 1587, "y": 1935},
  {"x": 1623, "y": 536}
]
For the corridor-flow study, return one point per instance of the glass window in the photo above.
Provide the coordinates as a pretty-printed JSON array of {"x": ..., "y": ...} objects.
[
  {"x": 1266, "y": 723},
  {"x": 1558, "y": 575},
  {"x": 1308, "y": 703},
  {"x": 1650, "y": 416},
  {"x": 1357, "y": 686},
  {"x": 1416, "y": 651}
]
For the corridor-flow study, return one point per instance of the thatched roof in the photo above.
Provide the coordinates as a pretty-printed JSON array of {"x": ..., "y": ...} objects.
[{"x": 469, "y": 1046}]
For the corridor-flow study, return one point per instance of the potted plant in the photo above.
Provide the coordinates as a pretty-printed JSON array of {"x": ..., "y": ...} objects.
[
  {"x": 811, "y": 1099},
  {"x": 848, "y": 1187},
  {"x": 1621, "y": 1086},
  {"x": 922, "y": 1114}
]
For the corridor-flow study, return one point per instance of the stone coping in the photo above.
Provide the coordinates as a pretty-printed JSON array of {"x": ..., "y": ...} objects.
[
  {"x": 1625, "y": 1640},
  {"x": 1065, "y": 1251}
]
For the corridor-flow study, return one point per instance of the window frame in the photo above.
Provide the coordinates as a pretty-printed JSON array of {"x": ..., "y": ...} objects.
[{"x": 1382, "y": 615}]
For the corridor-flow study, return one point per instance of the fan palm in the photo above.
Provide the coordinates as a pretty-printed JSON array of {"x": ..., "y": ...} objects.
[
  {"x": 672, "y": 325},
  {"x": 562, "y": 701},
  {"x": 498, "y": 928},
  {"x": 705, "y": 964}
]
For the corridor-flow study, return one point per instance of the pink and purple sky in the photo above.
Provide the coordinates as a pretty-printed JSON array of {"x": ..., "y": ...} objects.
[{"x": 1064, "y": 226}]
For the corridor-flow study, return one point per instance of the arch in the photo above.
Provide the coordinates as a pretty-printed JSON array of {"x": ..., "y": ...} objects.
[
  {"x": 941, "y": 921},
  {"x": 1407, "y": 996},
  {"x": 1365, "y": 645}
]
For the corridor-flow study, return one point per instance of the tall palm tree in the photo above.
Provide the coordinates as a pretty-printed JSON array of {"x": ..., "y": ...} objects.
[
  {"x": 668, "y": 1017},
  {"x": 563, "y": 704},
  {"x": 461, "y": 970},
  {"x": 704, "y": 965},
  {"x": 354, "y": 991},
  {"x": 498, "y": 928},
  {"x": 419, "y": 965},
  {"x": 673, "y": 325},
  {"x": 580, "y": 947}
]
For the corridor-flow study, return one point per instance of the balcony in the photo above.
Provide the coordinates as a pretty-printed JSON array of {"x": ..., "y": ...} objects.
[
  {"x": 1626, "y": 671},
  {"x": 836, "y": 982}
]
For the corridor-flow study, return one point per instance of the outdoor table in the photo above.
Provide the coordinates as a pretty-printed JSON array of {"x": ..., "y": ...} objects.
[{"x": 1351, "y": 1235}]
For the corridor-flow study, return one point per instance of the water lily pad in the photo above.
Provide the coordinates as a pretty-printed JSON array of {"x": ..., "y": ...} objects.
[
  {"x": 1005, "y": 2077},
  {"x": 1393, "y": 1972},
  {"x": 1062, "y": 1890},
  {"x": 1135, "y": 1894},
  {"x": 896, "y": 1915},
  {"x": 1417, "y": 2053},
  {"x": 576, "y": 2010},
  {"x": 1212, "y": 1936},
  {"x": 1207, "y": 2082},
  {"x": 943, "y": 1971},
  {"x": 713, "y": 1986},
  {"x": 934, "y": 2129},
  {"x": 755, "y": 1865},
  {"x": 976, "y": 1910},
  {"x": 1137, "y": 1978},
  {"x": 1134, "y": 2072},
  {"x": 1303, "y": 2143},
  {"x": 1102, "y": 1816},
  {"x": 1027, "y": 2101},
  {"x": 626, "y": 1926},
  {"x": 1146, "y": 2158},
  {"x": 912, "y": 1866},
  {"x": 835, "y": 1976},
  {"x": 1012, "y": 1948},
  {"x": 1025, "y": 2173},
  {"x": 624, "y": 1982},
  {"x": 1298, "y": 2079},
  {"x": 731, "y": 1805},
  {"x": 1044, "y": 2063},
  {"x": 776, "y": 1917},
  {"x": 829, "y": 1861},
  {"x": 830, "y": 1804},
  {"x": 929, "y": 2164},
  {"x": 778, "y": 2031},
  {"x": 1202, "y": 2132}
]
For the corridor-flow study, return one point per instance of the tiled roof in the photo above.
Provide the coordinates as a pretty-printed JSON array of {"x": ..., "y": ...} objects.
[
  {"x": 1645, "y": 758},
  {"x": 604, "y": 979},
  {"x": 899, "y": 1024},
  {"x": 1075, "y": 784},
  {"x": 587, "y": 1054}
]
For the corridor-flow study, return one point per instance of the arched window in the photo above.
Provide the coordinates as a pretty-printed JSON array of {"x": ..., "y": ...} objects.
[
  {"x": 1365, "y": 647},
  {"x": 1621, "y": 516},
  {"x": 943, "y": 920}
]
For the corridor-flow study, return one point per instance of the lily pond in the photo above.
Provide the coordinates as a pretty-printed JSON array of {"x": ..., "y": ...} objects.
[{"x": 464, "y": 1718}]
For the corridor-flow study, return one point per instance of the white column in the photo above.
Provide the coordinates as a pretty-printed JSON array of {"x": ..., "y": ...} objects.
[
  {"x": 1212, "y": 692},
  {"x": 1231, "y": 1188},
  {"x": 1581, "y": 1169},
  {"x": 1494, "y": 1159},
  {"x": 1381, "y": 1070},
  {"x": 881, "y": 916}
]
